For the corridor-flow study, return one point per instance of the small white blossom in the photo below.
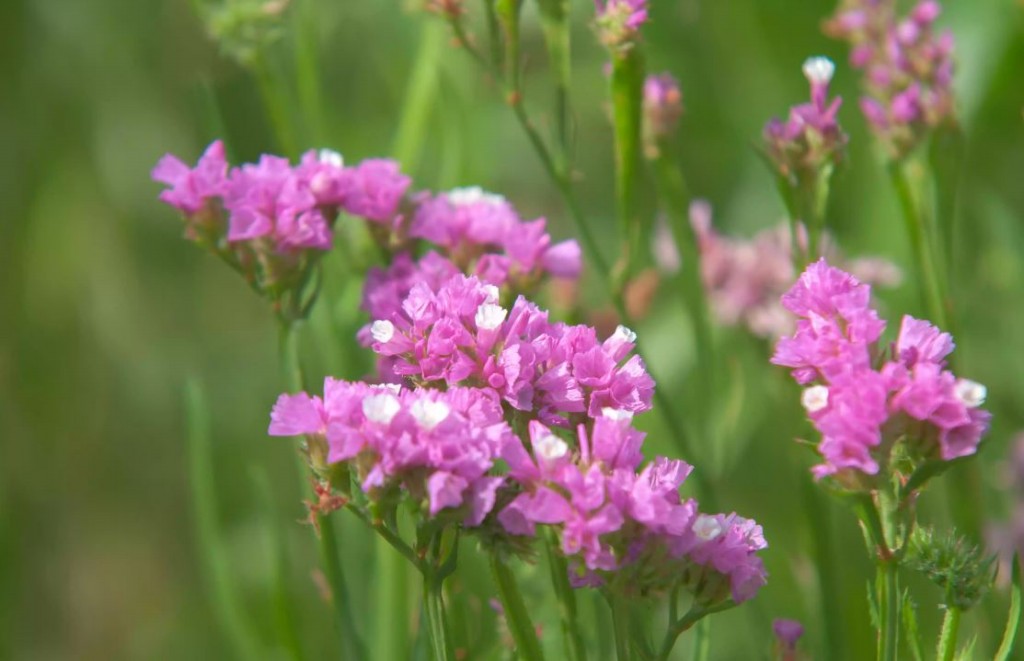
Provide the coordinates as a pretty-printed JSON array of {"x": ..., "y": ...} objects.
[
  {"x": 707, "y": 527},
  {"x": 382, "y": 331},
  {"x": 490, "y": 316},
  {"x": 814, "y": 398},
  {"x": 819, "y": 70},
  {"x": 550, "y": 447},
  {"x": 428, "y": 413},
  {"x": 618, "y": 415},
  {"x": 381, "y": 408},
  {"x": 492, "y": 293},
  {"x": 331, "y": 157},
  {"x": 473, "y": 195},
  {"x": 971, "y": 393},
  {"x": 624, "y": 334}
]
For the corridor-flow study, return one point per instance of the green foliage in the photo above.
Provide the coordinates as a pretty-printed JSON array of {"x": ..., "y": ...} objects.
[{"x": 964, "y": 571}]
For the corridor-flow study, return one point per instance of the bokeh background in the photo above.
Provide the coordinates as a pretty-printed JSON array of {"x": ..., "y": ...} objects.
[{"x": 105, "y": 312}]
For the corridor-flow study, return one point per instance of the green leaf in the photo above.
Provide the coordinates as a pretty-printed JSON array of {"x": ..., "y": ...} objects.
[{"x": 1013, "y": 620}]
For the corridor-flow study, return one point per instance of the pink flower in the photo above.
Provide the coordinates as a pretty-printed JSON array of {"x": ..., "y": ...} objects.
[
  {"x": 376, "y": 190},
  {"x": 193, "y": 188}
]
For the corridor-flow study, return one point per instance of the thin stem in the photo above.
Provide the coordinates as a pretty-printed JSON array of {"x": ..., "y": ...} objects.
[
  {"x": 391, "y": 640},
  {"x": 889, "y": 605},
  {"x": 825, "y": 558},
  {"x": 419, "y": 96},
  {"x": 516, "y": 614},
  {"x": 683, "y": 624},
  {"x": 224, "y": 599},
  {"x": 702, "y": 640},
  {"x": 947, "y": 637},
  {"x": 437, "y": 625},
  {"x": 620, "y": 625},
  {"x": 352, "y": 647},
  {"x": 276, "y": 105},
  {"x": 626, "y": 86},
  {"x": 307, "y": 71},
  {"x": 575, "y": 650},
  {"x": 917, "y": 230}
]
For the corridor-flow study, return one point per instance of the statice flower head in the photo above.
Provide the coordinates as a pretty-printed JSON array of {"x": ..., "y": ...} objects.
[
  {"x": 623, "y": 525},
  {"x": 746, "y": 278},
  {"x": 788, "y": 633},
  {"x": 461, "y": 335},
  {"x": 619, "y": 21},
  {"x": 810, "y": 139},
  {"x": 663, "y": 106},
  {"x": 908, "y": 68},
  {"x": 483, "y": 234},
  {"x": 437, "y": 446},
  {"x": 865, "y": 398}
]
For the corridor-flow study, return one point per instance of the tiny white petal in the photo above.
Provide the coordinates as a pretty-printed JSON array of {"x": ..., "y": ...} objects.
[
  {"x": 618, "y": 415},
  {"x": 707, "y": 527},
  {"x": 492, "y": 293},
  {"x": 428, "y": 413},
  {"x": 382, "y": 331},
  {"x": 381, "y": 408},
  {"x": 625, "y": 334},
  {"x": 393, "y": 388},
  {"x": 490, "y": 316},
  {"x": 971, "y": 393},
  {"x": 472, "y": 195},
  {"x": 331, "y": 157},
  {"x": 550, "y": 447},
  {"x": 819, "y": 70},
  {"x": 814, "y": 398}
]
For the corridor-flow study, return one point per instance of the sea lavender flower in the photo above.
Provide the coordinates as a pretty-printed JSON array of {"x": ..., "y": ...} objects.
[
  {"x": 788, "y": 633},
  {"x": 624, "y": 525},
  {"x": 745, "y": 278},
  {"x": 439, "y": 446},
  {"x": 663, "y": 106},
  {"x": 461, "y": 335},
  {"x": 864, "y": 399},
  {"x": 908, "y": 68},
  {"x": 618, "y": 22},
  {"x": 811, "y": 138},
  {"x": 483, "y": 234}
]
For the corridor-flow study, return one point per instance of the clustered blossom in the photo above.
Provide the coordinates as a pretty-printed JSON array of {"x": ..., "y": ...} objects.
[
  {"x": 270, "y": 218},
  {"x": 460, "y": 335},
  {"x": 663, "y": 106},
  {"x": 471, "y": 372},
  {"x": 619, "y": 21},
  {"x": 745, "y": 279},
  {"x": 863, "y": 398},
  {"x": 620, "y": 522},
  {"x": 440, "y": 445},
  {"x": 811, "y": 137},
  {"x": 908, "y": 67}
]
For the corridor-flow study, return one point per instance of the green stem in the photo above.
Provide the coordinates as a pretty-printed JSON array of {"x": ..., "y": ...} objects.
[
  {"x": 1013, "y": 620},
  {"x": 620, "y": 625},
  {"x": 921, "y": 243},
  {"x": 575, "y": 649},
  {"x": 683, "y": 624},
  {"x": 419, "y": 96},
  {"x": 626, "y": 92},
  {"x": 307, "y": 71},
  {"x": 825, "y": 558},
  {"x": 947, "y": 637},
  {"x": 889, "y": 605},
  {"x": 276, "y": 104},
  {"x": 702, "y": 640},
  {"x": 391, "y": 640},
  {"x": 437, "y": 625},
  {"x": 516, "y": 614},
  {"x": 352, "y": 647},
  {"x": 225, "y": 601}
]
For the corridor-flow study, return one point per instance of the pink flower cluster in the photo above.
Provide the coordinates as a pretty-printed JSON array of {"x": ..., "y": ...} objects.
[
  {"x": 619, "y": 21},
  {"x": 461, "y": 335},
  {"x": 908, "y": 68},
  {"x": 811, "y": 137},
  {"x": 471, "y": 373},
  {"x": 613, "y": 518},
  {"x": 863, "y": 399},
  {"x": 663, "y": 107},
  {"x": 745, "y": 278},
  {"x": 440, "y": 445},
  {"x": 274, "y": 204}
]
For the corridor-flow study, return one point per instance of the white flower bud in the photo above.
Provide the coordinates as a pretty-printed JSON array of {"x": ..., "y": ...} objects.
[
  {"x": 971, "y": 393},
  {"x": 381, "y": 408},
  {"x": 624, "y": 334},
  {"x": 618, "y": 415},
  {"x": 707, "y": 527},
  {"x": 549, "y": 447},
  {"x": 490, "y": 316},
  {"x": 492, "y": 293},
  {"x": 814, "y": 398},
  {"x": 428, "y": 413},
  {"x": 331, "y": 157},
  {"x": 819, "y": 70},
  {"x": 382, "y": 331},
  {"x": 472, "y": 195}
]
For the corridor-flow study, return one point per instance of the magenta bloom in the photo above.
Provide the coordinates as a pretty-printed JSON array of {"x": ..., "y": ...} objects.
[
  {"x": 857, "y": 399},
  {"x": 376, "y": 190},
  {"x": 789, "y": 632},
  {"x": 192, "y": 188}
]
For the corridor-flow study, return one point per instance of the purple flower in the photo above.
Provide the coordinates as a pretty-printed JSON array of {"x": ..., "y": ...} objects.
[
  {"x": 376, "y": 190},
  {"x": 789, "y": 632},
  {"x": 191, "y": 189}
]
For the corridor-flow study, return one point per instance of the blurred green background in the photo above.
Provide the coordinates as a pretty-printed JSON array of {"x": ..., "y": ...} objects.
[{"x": 105, "y": 311}]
